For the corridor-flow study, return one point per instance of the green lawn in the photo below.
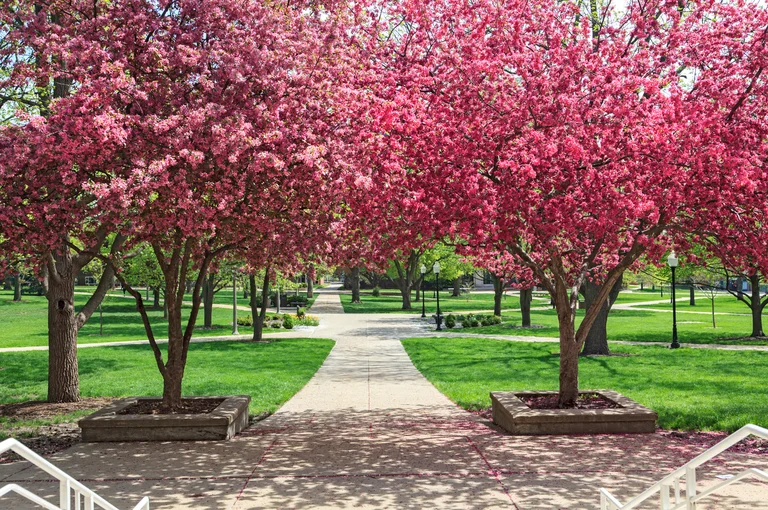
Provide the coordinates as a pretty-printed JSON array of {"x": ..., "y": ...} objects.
[
  {"x": 636, "y": 325},
  {"x": 26, "y": 323},
  {"x": 690, "y": 389},
  {"x": 270, "y": 372},
  {"x": 724, "y": 303},
  {"x": 391, "y": 302}
]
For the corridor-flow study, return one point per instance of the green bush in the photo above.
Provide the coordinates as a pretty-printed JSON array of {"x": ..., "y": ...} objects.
[
  {"x": 376, "y": 291},
  {"x": 486, "y": 321},
  {"x": 309, "y": 320},
  {"x": 450, "y": 321},
  {"x": 300, "y": 313},
  {"x": 288, "y": 322},
  {"x": 475, "y": 323},
  {"x": 275, "y": 325},
  {"x": 245, "y": 320},
  {"x": 495, "y": 319}
]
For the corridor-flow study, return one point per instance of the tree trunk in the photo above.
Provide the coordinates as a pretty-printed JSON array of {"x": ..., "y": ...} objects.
[
  {"x": 714, "y": 325},
  {"x": 692, "y": 300},
  {"x": 641, "y": 285},
  {"x": 355, "y": 281},
  {"x": 596, "y": 343},
  {"x": 63, "y": 382},
  {"x": 165, "y": 305},
  {"x": 755, "y": 305},
  {"x": 310, "y": 288},
  {"x": 457, "y": 287},
  {"x": 155, "y": 298},
  {"x": 417, "y": 284},
  {"x": 208, "y": 301},
  {"x": 569, "y": 352},
  {"x": 17, "y": 287},
  {"x": 498, "y": 292},
  {"x": 526, "y": 297},
  {"x": 172, "y": 387},
  {"x": 258, "y": 319},
  {"x": 740, "y": 286},
  {"x": 406, "y": 294}
]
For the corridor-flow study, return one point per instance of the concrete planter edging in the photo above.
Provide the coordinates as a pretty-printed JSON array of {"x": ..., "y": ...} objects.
[
  {"x": 514, "y": 416},
  {"x": 229, "y": 418}
]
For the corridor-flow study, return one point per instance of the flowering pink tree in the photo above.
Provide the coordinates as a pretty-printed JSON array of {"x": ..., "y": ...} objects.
[
  {"x": 214, "y": 123},
  {"x": 584, "y": 132}
]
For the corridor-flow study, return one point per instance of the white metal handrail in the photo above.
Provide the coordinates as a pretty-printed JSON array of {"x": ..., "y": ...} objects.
[
  {"x": 73, "y": 495},
  {"x": 688, "y": 472}
]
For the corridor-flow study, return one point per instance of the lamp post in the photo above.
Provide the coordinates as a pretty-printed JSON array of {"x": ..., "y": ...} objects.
[
  {"x": 673, "y": 262},
  {"x": 423, "y": 274},
  {"x": 234, "y": 303},
  {"x": 438, "y": 318}
]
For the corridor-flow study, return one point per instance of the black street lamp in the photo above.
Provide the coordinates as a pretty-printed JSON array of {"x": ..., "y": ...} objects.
[
  {"x": 234, "y": 303},
  {"x": 438, "y": 318},
  {"x": 673, "y": 262},
  {"x": 423, "y": 274}
]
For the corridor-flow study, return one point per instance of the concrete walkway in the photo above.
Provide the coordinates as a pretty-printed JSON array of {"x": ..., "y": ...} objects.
[{"x": 368, "y": 431}]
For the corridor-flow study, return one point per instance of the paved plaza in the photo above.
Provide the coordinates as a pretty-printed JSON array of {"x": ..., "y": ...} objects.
[{"x": 369, "y": 431}]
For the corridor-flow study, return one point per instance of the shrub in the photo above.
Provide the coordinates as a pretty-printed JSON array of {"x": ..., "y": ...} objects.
[
  {"x": 245, "y": 320},
  {"x": 288, "y": 322},
  {"x": 475, "y": 323},
  {"x": 495, "y": 319},
  {"x": 486, "y": 321},
  {"x": 376, "y": 291},
  {"x": 300, "y": 313},
  {"x": 450, "y": 321},
  {"x": 275, "y": 325},
  {"x": 309, "y": 320}
]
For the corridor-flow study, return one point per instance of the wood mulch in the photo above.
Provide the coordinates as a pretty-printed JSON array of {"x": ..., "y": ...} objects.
[
  {"x": 45, "y": 439},
  {"x": 188, "y": 406},
  {"x": 584, "y": 401}
]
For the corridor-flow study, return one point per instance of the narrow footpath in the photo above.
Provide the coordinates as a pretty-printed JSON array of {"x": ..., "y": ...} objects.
[{"x": 369, "y": 431}]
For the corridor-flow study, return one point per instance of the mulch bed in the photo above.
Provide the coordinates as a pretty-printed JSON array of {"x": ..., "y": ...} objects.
[
  {"x": 584, "y": 401},
  {"x": 47, "y": 439},
  {"x": 189, "y": 406}
]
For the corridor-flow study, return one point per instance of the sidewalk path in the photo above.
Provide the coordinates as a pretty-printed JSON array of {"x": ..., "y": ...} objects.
[{"x": 368, "y": 431}]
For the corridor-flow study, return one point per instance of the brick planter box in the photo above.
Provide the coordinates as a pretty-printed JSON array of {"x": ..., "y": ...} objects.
[
  {"x": 229, "y": 418},
  {"x": 514, "y": 416}
]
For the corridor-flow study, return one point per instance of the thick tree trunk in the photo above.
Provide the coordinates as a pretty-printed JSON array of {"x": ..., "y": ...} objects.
[
  {"x": 406, "y": 294},
  {"x": 208, "y": 302},
  {"x": 755, "y": 305},
  {"x": 457, "y": 287},
  {"x": 739, "y": 287},
  {"x": 498, "y": 293},
  {"x": 526, "y": 297},
  {"x": 692, "y": 300},
  {"x": 258, "y": 319},
  {"x": 642, "y": 285},
  {"x": 155, "y": 298},
  {"x": 165, "y": 306},
  {"x": 417, "y": 284},
  {"x": 63, "y": 382},
  {"x": 17, "y": 287},
  {"x": 310, "y": 288},
  {"x": 596, "y": 343},
  {"x": 355, "y": 281}
]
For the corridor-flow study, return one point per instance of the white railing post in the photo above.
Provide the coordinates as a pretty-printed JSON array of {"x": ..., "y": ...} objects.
[
  {"x": 664, "y": 492},
  {"x": 65, "y": 499},
  {"x": 690, "y": 487}
]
